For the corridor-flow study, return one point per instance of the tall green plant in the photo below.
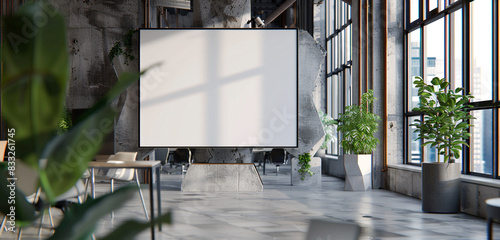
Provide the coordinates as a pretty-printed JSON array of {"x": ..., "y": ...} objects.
[
  {"x": 357, "y": 125},
  {"x": 446, "y": 120},
  {"x": 34, "y": 77}
]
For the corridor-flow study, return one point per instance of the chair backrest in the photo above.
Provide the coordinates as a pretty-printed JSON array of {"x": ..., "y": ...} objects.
[
  {"x": 27, "y": 178},
  {"x": 3, "y": 146},
  {"x": 278, "y": 155},
  {"x": 123, "y": 156},
  {"x": 183, "y": 155},
  {"x": 124, "y": 174},
  {"x": 333, "y": 230}
]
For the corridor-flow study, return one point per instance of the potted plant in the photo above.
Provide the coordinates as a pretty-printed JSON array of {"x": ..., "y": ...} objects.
[
  {"x": 328, "y": 123},
  {"x": 306, "y": 170},
  {"x": 357, "y": 125},
  {"x": 445, "y": 127}
]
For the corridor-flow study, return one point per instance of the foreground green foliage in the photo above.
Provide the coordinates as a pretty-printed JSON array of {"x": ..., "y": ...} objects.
[
  {"x": 34, "y": 77},
  {"x": 305, "y": 165},
  {"x": 446, "y": 120},
  {"x": 357, "y": 125}
]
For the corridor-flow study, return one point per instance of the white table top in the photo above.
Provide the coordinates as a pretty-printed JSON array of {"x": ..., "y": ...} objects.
[
  {"x": 118, "y": 164},
  {"x": 495, "y": 202}
]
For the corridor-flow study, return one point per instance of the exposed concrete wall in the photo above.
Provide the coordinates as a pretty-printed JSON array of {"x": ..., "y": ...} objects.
[
  {"x": 473, "y": 193},
  {"x": 334, "y": 166},
  {"x": 93, "y": 28}
]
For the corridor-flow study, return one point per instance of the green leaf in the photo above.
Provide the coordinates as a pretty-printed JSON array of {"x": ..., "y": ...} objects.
[
  {"x": 35, "y": 71},
  {"x": 68, "y": 155},
  {"x": 81, "y": 220},
  {"x": 435, "y": 81},
  {"x": 131, "y": 228}
]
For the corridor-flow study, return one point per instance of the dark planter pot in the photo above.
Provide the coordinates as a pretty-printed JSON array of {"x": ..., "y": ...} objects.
[{"x": 441, "y": 187}]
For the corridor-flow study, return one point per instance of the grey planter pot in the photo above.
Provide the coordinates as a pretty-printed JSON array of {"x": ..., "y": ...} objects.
[
  {"x": 441, "y": 187},
  {"x": 358, "y": 172}
]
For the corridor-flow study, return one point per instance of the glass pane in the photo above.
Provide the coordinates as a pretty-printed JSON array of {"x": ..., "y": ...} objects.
[
  {"x": 329, "y": 106},
  {"x": 456, "y": 45},
  {"x": 431, "y": 155},
  {"x": 414, "y": 68},
  {"x": 341, "y": 48},
  {"x": 348, "y": 43},
  {"x": 348, "y": 12},
  {"x": 414, "y": 10},
  {"x": 434, "y": 49},
  {"x": 481, "y": 142},
  {"x": 433, "y": 4},
  {"x": 481, "y": 50},
  {"x": 335, "y": 114},
  {"x": 414, "y": 152},
  {"x": 328, "y": 57}
]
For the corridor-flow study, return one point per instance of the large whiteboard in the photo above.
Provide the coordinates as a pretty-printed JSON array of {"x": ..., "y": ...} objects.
[{"x": 218, "y": 88}]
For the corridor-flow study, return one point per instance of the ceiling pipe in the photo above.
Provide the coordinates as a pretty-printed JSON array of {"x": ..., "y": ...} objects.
[{"x": 279, "y": 11}]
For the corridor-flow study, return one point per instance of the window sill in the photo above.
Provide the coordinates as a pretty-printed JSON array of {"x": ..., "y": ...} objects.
[
  {"x": 406, "y": 167},
  {"x": 490, "y": 182},
  {"x": 332, "y": 157}
]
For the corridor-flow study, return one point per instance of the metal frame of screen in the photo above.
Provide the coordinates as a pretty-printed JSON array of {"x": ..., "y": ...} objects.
[{"x": 187, "y": 50}]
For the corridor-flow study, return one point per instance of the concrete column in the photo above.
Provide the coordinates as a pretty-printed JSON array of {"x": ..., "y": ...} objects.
[
  {"x": 377, "y": 62},
  {"x": 221, "y": 14},
  {"x": 395, "y": 81}
]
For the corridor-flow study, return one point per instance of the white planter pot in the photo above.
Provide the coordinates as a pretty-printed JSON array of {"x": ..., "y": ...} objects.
[
  {"x": 314, "y": 180},
  {"x": 358, "y": 170}
]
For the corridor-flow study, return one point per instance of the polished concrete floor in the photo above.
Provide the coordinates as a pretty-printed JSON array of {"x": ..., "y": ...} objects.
[{"x": 282, "y": 211}]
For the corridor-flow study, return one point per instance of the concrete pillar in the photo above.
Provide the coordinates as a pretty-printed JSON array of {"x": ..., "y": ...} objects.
[
  {"x": 395, "y": 81},
  {"x": 377, "y": 63},
  {"x": 221, "y": 14},
  {"x": 311, "y": 64}
]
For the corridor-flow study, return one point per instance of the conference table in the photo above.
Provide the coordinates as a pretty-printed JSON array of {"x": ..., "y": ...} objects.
[{"x": 149, "y": 166}]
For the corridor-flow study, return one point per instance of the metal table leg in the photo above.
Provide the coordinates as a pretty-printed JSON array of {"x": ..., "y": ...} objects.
[
  {"x": 158, "y": 193},
  {"x": 151, "y": 203},
  {"x": 92, "y": 175},
  {"x": 490, "y": 229}
]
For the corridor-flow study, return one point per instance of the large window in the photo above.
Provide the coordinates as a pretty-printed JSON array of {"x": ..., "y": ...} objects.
[
  {"x": 338, "y": 62},
  {"x": 457, "y": 40}
]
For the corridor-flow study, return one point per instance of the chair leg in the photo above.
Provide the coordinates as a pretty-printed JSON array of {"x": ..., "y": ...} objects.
[
  {"x": 140, "y": 193},
  {"x": 20, "y": 233},
  {"x": 112, "y": 185},
  {"x": 4, "y": 221},
  {"x": 86, "y": 189},
  {"x": 51, "y": 220},
  {"x": 41, "y": 222}
]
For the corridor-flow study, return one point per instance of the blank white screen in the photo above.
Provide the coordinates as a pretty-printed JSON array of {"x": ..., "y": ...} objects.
[{"x": 218, "y": 88}]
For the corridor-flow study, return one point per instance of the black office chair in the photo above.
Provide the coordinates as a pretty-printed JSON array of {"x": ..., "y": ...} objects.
[
  {"x": 278, "y": 156},
  {"x": 183, "y": 157}
]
